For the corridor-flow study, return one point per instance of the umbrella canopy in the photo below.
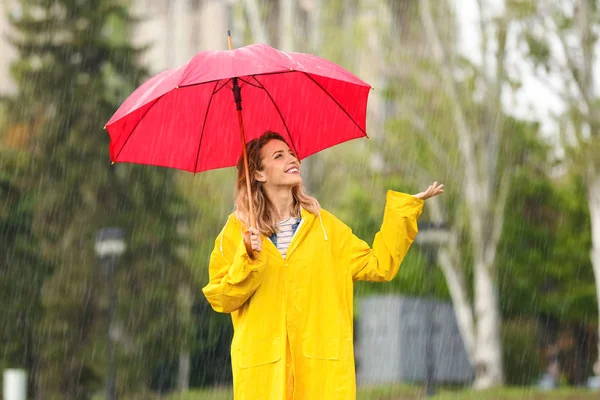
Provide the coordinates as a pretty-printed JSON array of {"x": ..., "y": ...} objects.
[{"x": 186, "y": 117}]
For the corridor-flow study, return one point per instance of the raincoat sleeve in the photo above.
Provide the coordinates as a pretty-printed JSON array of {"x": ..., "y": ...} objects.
[
  {"x": 234, "y": 277},
  {"x": 398, "y": 231}
]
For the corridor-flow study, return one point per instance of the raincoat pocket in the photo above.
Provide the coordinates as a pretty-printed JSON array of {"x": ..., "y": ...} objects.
[
  {"x": 323, "y": 347},
  {"x": 260, "y": 353}
]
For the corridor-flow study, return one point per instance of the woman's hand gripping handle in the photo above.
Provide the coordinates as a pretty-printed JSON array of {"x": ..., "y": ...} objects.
[{"x": 252, "y": 242}]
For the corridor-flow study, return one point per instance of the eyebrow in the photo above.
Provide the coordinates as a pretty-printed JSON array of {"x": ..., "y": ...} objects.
[{"x": 281, "y": 151}]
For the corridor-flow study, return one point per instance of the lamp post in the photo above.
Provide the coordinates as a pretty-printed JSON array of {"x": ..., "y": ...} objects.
[
  {"x": 110, "y": 245},
  {"x": 430, "y": 237}
]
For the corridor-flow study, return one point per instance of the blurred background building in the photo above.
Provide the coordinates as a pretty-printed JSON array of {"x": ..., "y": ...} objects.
[{"x": 174, "y": 30}]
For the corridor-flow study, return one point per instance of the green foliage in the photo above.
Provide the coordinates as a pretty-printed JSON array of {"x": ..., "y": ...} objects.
[
  {"x": 413, "y": 392},
  {"x": 22, "y": 270},
  {"x": 539, "y": 52},
  {"x": 521, "y": 353},
  {"x": 545, "y": 268},
  {"x": 75, "y": 67}
]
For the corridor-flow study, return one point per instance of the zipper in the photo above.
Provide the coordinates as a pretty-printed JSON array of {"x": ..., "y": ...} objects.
[
  {"x": 296, "y": 233},
  {"x": 290, "y": 247}
]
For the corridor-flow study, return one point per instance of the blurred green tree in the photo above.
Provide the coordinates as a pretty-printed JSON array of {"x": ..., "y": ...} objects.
[
  {"x": 22, "y": 269},
  {"x": 562, "y": 44},
  {"x": 75, "y": 66}
]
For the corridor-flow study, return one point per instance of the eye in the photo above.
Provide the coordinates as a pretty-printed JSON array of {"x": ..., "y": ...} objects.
[{"x": 278, "y": 156}]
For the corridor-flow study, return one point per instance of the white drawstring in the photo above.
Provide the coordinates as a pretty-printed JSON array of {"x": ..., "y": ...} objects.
[
  {"x": 222, "y": 234},
  {"x": 322, "y": 226}
]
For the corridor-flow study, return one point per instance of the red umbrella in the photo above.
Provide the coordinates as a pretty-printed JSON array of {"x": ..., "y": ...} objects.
[{"x": 187, "y": 117}]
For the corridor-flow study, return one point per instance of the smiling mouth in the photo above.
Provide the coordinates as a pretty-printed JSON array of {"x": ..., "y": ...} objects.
[{"x": 293, "y": 170}]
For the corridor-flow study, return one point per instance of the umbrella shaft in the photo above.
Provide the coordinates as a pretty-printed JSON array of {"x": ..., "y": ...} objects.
[{"x": 245, "y": 156}]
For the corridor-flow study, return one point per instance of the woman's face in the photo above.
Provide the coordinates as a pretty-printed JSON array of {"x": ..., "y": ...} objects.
[{"x": 280, "y": 165}]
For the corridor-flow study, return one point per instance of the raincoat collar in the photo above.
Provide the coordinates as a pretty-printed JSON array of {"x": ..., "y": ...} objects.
[
  {"x": 303, "y": 228},
  {"x": 305, "y": 224},
  {"x": 307, "y": 220}
]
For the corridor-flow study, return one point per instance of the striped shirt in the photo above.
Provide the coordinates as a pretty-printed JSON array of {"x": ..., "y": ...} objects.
[{"x": 285, "y": 233}]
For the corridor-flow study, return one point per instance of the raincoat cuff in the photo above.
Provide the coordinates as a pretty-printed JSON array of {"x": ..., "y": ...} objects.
[{"x": 405, "y": 203}]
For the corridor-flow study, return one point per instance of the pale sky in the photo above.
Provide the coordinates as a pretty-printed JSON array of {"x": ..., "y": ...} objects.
[{"x": 534, "y": 100}]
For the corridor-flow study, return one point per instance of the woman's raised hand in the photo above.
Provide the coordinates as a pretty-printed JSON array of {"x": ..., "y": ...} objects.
[
  {"x": 431, "y": 191},
  {"x": 255, "y": 240}
]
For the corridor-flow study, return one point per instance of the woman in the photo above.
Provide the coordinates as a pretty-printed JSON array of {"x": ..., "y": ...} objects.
[{"x": 291, "y": 306}]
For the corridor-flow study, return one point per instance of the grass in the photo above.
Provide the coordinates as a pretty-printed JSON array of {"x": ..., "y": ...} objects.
[
  {"x": 521, "y": 393},
  {"x": 409, "y": 392}
]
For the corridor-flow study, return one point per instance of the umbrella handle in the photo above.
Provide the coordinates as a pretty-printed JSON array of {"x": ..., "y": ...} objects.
[{"x": 248, "y": 245}]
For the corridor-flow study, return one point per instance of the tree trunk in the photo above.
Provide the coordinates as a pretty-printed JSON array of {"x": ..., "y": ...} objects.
[
  {"x": 178, "y": 21},
  {"x": 183, "y": 373},
  {"x": 593, "y": 186},
  {"x": 484, "y": 231},
  {"x": 258, "y": 29},
  {"x": 185, "y": 300},
  {"x": 460, "y": 301},
  {"x": 287, "y": 12},
  {"x": 488, "y": 354},
  {"x": 374, "y": 17},
  {"x": 449, "y": 260}
]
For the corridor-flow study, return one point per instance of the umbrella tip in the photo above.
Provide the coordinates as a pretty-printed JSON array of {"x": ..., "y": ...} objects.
[
  {"x": 112, "y": 163},
  {"x": 104, "y": 127}
]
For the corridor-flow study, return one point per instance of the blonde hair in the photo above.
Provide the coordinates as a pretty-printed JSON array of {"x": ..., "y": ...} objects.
[{"x": 266, "y": 216}]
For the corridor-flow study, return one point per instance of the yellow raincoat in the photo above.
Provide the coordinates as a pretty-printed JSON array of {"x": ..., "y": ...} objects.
[{"x": 292, "y": 317}]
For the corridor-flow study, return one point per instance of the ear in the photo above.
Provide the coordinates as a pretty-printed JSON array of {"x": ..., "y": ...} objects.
[{"x": 259, "y": 176}]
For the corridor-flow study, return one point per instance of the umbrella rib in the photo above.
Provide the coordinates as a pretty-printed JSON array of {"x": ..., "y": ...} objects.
[
  {"x": 250, "y": 83},
  {"x": 135, "y": 127},
  {"x": 336, "y": 102},
  {"x": 280, "y": 116},
  {"x": 220, "y": 79},
  {"x": 204, "y": 123},
  {"x": 222, "y": 86}
]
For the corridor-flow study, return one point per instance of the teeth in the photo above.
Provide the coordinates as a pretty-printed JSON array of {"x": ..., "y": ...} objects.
[{"x": 292, "y": 170}]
